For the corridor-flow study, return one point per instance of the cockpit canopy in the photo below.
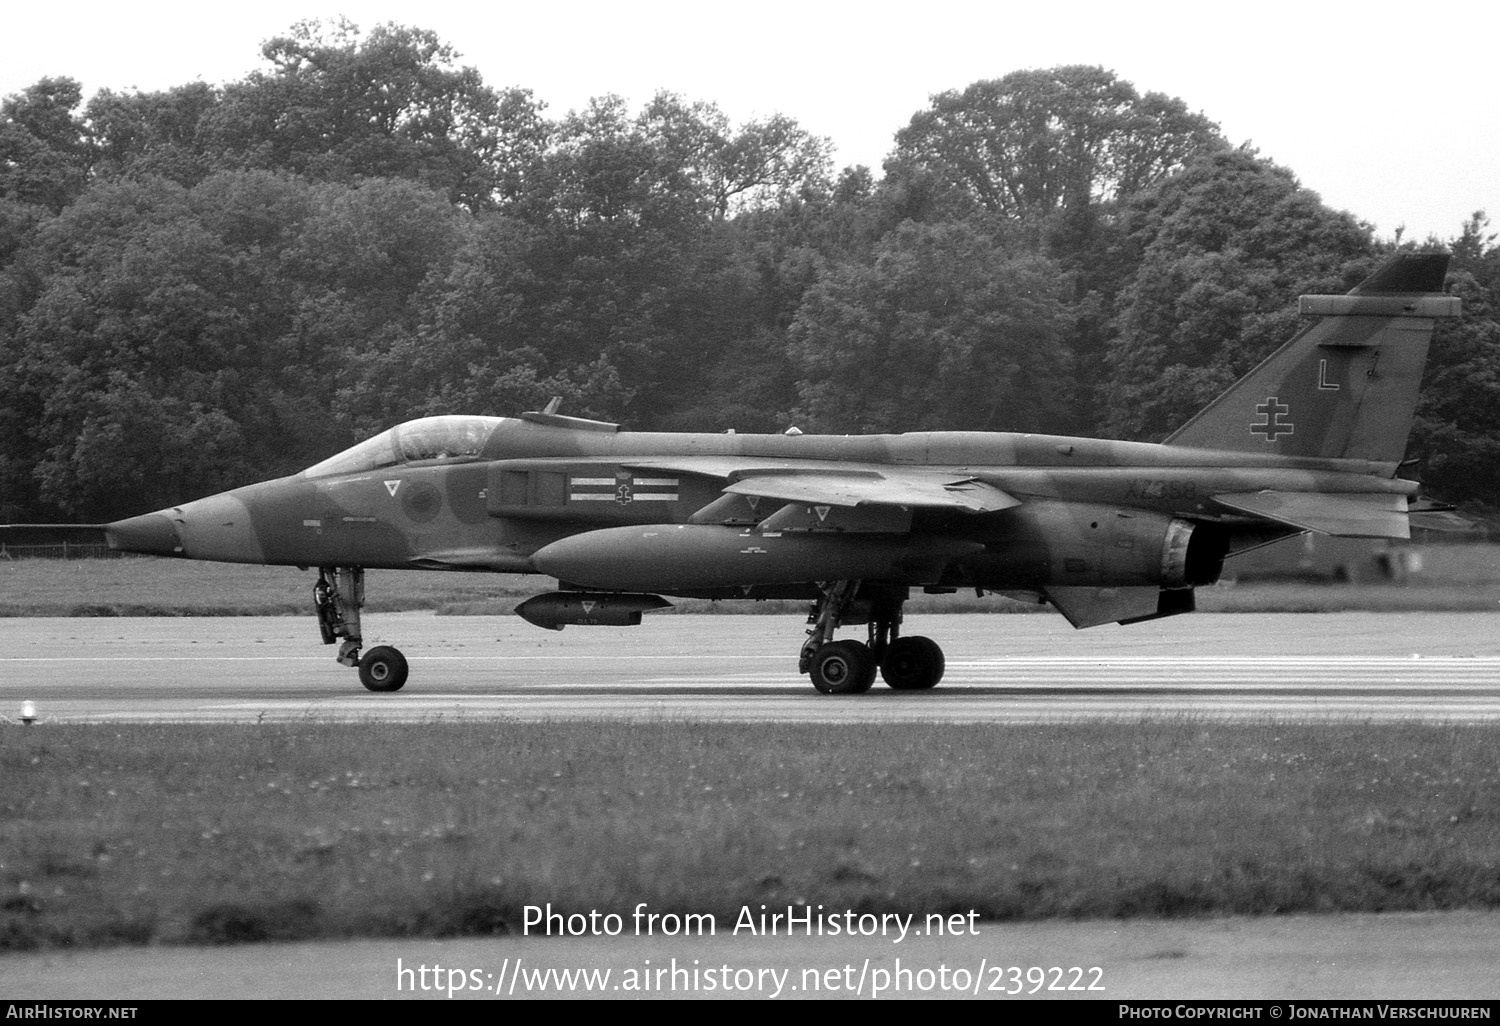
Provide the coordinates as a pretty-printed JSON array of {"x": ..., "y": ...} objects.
[{"x": 452, "y": 437}]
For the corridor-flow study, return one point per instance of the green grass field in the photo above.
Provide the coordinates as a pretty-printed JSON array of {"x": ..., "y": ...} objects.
[
  {"x": 148, "y": 834},
  {"x": 143, "y": 586},
  {"x": 194, "y": 834}
]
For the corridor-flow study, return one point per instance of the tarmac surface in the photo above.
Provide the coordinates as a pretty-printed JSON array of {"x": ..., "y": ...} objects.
[
  {"x": 1405, "y": 956},
  {"x": 1003, "y": 669},
  {"x": 1000, "y": 668}
]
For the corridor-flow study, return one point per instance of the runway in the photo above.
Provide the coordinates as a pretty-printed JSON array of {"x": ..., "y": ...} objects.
[{"x": 1001, "y": 669}]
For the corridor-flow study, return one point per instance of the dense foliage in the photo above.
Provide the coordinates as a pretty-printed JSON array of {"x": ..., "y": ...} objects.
[{"x": 209, "y": 285}]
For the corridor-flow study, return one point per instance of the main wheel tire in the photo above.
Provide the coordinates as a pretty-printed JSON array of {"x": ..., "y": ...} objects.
[
  {"x": 383, "y": 668},
  {"x": 843, "y": 668},
  {"x": 913, "y": 664}
]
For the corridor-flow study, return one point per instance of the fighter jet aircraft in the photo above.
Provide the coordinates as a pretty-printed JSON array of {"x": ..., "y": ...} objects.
[{"x": 1106, "y": 531}]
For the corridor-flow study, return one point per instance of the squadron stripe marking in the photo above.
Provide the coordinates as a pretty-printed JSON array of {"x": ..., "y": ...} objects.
[
  {"x": 622, "y": 489},
  {"x": 610, "y": 497}
]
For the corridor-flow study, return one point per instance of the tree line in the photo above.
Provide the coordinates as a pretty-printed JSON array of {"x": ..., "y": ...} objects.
[{"x": 206, "y": 286}]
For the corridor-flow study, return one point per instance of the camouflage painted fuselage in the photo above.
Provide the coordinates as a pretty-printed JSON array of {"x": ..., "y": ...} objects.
[
  {"x": 1308, "y": 440},
  {"x": 1088, "y": 509}
]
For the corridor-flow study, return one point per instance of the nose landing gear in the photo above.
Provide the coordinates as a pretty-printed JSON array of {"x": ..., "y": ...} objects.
[
  {"x": 383, "y": 668},
  {"x": 337, "y": 598}
]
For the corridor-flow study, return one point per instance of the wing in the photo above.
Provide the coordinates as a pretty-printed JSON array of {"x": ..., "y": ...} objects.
[
  {"x": 844, "y": 484},
  {"x": 846, "y": 488}
]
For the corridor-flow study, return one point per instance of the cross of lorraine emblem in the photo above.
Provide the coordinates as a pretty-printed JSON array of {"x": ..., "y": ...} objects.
[
  {"x": 622, "y": 493},
  {"x": 1271, "y": 426}
]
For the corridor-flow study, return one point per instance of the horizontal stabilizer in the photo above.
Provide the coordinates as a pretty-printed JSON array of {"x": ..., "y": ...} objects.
[
  {"x": 1344, "y": 516},
  {"x": 1090, "y": 607},
  {"x": 1446, "y": 521}
]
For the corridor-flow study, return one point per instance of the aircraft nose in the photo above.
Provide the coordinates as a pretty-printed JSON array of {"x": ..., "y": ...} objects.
[
  {"x": 218, "y": 527},
  {"x": 152, "y": 534}
]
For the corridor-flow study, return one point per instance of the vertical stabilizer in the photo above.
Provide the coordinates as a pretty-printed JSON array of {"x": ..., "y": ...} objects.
[{"x": 1346, "y": 385}]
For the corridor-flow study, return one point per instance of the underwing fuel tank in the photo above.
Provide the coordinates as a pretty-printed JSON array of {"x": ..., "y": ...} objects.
[
  {"x": 672, "y": 558},
  {"x": 557, "y": 609}
]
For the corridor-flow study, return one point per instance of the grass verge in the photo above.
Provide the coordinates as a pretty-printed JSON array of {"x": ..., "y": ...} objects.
[
  {"x": 172, "y": 587},
  {"x": 142, "y": 586},
  {"x": 196, "y": 834}
]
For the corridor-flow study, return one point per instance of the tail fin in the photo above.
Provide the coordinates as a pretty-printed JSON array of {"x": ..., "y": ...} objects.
[{"x": 1346, "y": 385}]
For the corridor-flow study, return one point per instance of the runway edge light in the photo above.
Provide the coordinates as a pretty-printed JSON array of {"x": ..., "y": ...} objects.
[{"x": 28, "y": 712}]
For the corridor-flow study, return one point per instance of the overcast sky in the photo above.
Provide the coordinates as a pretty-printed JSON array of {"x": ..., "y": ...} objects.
[{"x": 1391, "y": 112}]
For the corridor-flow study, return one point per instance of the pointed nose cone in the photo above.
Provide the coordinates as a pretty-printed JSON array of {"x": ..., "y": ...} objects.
[
  {"x": 218, "y": 528},
  {"x": 152, "y": 535}
]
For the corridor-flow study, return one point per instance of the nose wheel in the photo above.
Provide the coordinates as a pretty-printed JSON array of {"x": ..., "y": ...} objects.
[
  {"x": 337, "y": 598},
  {"x": 383, "y": 668}
]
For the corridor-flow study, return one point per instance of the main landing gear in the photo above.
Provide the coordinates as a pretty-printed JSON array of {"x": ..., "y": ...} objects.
[
  {"x": 848, "y": 667},
  {"x": 337, "y": 597}
]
